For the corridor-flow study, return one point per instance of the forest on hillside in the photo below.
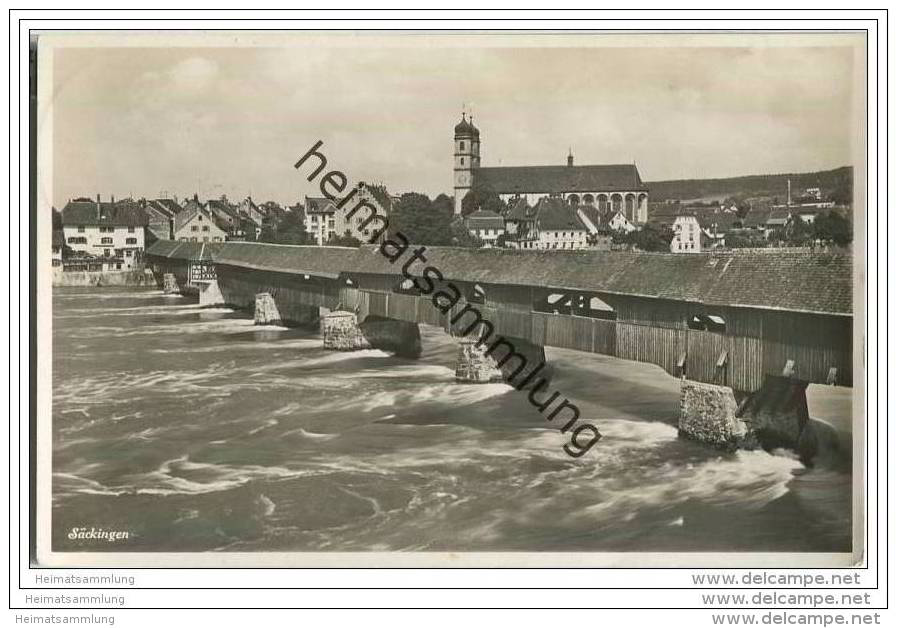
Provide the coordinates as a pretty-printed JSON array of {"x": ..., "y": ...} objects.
[{"x": 835, "y": 185}]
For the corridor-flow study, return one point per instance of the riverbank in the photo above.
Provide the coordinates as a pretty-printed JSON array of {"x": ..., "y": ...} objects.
[{"x": 136, "y": 278}]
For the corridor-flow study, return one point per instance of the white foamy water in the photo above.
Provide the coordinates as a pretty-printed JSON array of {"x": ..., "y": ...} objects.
[{"x": 200, "y": 431}]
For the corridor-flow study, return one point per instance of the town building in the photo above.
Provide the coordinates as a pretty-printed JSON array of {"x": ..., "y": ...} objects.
[
  {"x": 551, "y": 224},
  {"x": 618, "y": 187},
  {"x": 237, "y": 226},
  {"x": 324, "y": 220},
  {"x": 688, "y": 236},
  {"x": 160, "y": 213},
  {"x": 485, "y": 225},
  {"x": 196, "y": 223},
  {"x": 58, "y": 241},
  {"x": 253, "y": 212},
  {"x": 108, "y": 230},
  {"x": 619, "y": 222},
  {"x": 598, "y": 225}
]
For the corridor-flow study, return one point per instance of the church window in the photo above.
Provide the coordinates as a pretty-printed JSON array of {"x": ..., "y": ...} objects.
[{"x": 462, "y": 148}]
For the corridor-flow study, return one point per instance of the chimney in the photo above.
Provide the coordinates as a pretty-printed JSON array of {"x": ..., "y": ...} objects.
[
  {"x": 570, "y": 158},
  {"x": 99, "y": 212}
]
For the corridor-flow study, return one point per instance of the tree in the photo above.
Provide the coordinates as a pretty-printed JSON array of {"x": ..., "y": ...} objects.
[
  {"x": 291, "y": 230},
  {"x": 268, "y": 234},
  {"x": 745, "y": 240},
  {"x": 443, "y": 204},
  {"x": 833, "y": 228},
  {"x": 421, "y": 220},
  {"x": 461, "y": 236},
  {"x": 649, "y": 238},
  {"x": 798, "y": 232},
  {"x": 482, "y": 199},
  {"x": 347, "y": 239}
]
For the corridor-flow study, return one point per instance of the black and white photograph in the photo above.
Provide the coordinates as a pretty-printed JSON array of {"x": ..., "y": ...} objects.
[{"x": 436, "y": 298}]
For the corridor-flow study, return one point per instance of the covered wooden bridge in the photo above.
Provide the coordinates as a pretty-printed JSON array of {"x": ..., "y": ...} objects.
[{"x": 727, "y": 318}]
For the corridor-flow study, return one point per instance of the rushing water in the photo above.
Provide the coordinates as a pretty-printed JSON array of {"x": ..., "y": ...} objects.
[{"x": 192, "y": 430}]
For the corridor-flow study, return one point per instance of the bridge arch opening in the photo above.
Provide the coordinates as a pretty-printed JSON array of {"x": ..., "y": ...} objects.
[
  {"x": 600, "y": 309},
  {"x": 407, "y": 286},
  {"x": 477, "y": 294},
  {"x": 707, "y": 322}
]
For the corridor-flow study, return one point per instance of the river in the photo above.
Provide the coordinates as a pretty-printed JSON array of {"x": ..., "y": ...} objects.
[{"x": 193, "y": 430}]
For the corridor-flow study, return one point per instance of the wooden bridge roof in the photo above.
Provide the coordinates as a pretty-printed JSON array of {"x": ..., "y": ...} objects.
[{"x": 798, "y": 280}]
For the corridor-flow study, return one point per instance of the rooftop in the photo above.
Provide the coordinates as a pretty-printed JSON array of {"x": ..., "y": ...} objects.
[
  {"x": 92, "y": 213},
  {"x": 806, "y": 280},
  {"x": 558, "y": 179}
]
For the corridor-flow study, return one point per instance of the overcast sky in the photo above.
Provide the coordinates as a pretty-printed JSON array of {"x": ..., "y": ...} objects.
[{"x": 144, "y": 121}]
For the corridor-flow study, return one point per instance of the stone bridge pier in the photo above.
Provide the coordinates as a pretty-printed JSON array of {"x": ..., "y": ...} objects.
[
  {"x": 209, "y": 293},
  {"x": 342, "y": 331},
  {"x": 515, "y": 361},
  {"x": 170, "y": 284},
  {"x": 776, "y": 415}
]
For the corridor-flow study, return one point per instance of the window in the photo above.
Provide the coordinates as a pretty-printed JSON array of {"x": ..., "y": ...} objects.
[
  {"x": 118, "y": 266},
  {"x": 194, "y": 228},
  {"x": 205, "y": 227},
  {"x": 130, "y": 240},
  {"x": 129, "y": 253},
  {"x": 77, "y": 240},
  {"x": 199, "y": 217},
  {"x": 130, "y": 229},
  {"x": 462, "y": 161},
  {"x": 107, "y": 252},
  {"x": 707, "y": 322},
  {"x": 105, "y": 240},
  {"x": 462, "y": 148},
  {"x": 80, "y": 228}
]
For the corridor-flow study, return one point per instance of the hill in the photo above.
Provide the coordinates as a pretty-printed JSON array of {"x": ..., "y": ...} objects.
[{"x": 837, "y": 183}]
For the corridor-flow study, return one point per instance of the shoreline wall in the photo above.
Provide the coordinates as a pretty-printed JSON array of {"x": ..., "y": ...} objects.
[{"x": 100, "y": 279}]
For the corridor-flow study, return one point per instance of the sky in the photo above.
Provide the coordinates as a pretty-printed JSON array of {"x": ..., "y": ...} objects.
[{"x": 161, "y": 121}]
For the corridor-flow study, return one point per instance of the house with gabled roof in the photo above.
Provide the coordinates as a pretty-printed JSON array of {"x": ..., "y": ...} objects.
[
  {"x": 160, "y": 213},
  {"x": 485, "y": 225},
  {"x": 197, "y": 223},
  {"x": 109, "y": 230},
  {"x": 253, "y": 212},
  {"x": 325, "y": 220},
  {"x": 552, "y": 224}
]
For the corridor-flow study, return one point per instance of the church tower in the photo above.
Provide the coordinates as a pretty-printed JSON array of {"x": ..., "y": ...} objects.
[{"x": 467, "y": 158}]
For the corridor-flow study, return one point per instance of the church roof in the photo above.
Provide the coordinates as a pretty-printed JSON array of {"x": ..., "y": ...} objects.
[{"x": 559, "y": 179}]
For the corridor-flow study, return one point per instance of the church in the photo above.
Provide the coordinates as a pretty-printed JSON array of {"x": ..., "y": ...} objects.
[{"x": 616, "y": 187}]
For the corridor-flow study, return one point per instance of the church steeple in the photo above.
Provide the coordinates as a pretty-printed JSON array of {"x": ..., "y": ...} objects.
[{"x": 467, "y": 158}]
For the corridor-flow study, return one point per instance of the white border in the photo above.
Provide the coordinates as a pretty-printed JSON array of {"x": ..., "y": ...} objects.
[{"x": 454, "y": 577}]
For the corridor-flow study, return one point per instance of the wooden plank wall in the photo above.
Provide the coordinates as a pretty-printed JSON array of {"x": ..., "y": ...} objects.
[{"x": 647, "y": 330}]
